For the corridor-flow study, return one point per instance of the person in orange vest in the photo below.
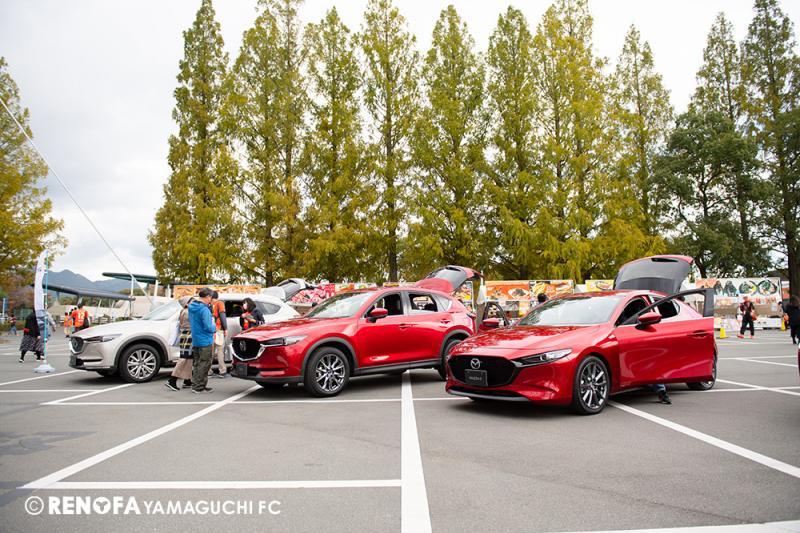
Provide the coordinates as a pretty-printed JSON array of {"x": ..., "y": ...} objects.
[
  {"x": 67, "y": 324},
  {"x": 80, "y": 317},
  {"x": 220, "y": 337}
]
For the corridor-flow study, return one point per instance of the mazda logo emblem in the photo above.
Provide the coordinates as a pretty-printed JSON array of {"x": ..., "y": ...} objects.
[
  {"x": 475, "y": 363},
  {"x": 242, "y": 346}
]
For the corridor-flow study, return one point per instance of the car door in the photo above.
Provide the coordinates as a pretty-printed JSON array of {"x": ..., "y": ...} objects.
[
  {"x": 493, "y": 310},
  {"x": 679, "y": 348},
  {"x": 428, "y": 325},
  {"x": 643, "y": 352},
  {"x": 382, "y": 341}
]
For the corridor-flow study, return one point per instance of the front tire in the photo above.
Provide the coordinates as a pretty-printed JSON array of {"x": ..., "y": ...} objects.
[
  {"x": 591, "y": 386},
  {"x": 447, "y": 347},
  {"x": 327, "y": 373},
  {"x": 139, "y": 363},
  {"x": 705, "y": 385}
]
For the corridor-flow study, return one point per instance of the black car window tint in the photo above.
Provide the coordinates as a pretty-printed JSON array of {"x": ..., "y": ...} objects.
[
  {"x": 422, "y": 303},
  {"x": 233, "y": 308},
  {"x": 631, "y": 309},
  {"x": 392, "y": 303},
  {"x": 668, "y": 309}
]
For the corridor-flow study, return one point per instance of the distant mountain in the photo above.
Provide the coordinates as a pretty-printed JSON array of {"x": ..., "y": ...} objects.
[{"x": 69, "y": 278}]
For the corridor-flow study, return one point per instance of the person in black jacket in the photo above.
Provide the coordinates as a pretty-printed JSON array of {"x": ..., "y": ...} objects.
[
  {"x": 792, "y": 310},
  {"x": 31, "y": 339},
  {"x": 748, "y": 311},
  {"x": 252, "y": 315}
]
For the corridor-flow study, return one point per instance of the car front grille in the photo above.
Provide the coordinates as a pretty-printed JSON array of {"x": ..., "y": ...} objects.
[
  {"x": 77, "y": 344},
  {"x": 499, "y": 371},
  {"x": 246, "y": 349}
]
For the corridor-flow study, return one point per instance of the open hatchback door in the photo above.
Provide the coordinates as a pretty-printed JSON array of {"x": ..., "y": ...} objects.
[
  {"x": 448, "y": 278},
  {"x": 662, "y": 273},
  {"x": 287, "y": 288}
]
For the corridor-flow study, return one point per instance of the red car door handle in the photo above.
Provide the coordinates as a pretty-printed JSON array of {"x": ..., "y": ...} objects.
[
  {"x": 445, "y": 321},
  {"x": 699, "y": 334},
  {"x": 405, "y": 325}
]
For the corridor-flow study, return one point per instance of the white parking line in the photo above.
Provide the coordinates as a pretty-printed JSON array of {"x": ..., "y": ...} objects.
[
  {"x": 358, "y": 400},
  {"x": 414, "y": 513},
  {"x": 206, "y": 485},
  {"x": 62, "y": 400},
  {"x": 45, "y": 390},
  {"x": 765, "y": 527},
  {"x": 40, "y": 377},
  {"x": 759, "y": 387},
  {"x": 46, "y": 481},
  {"x": 84, "y": 404},
  {"x": 766, "y": 362},
  {"x": 763, "y": 357},
  {"x": 708, "y": 439}
]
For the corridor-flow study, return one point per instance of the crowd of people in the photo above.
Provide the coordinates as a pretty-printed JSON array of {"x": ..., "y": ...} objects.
[{"x": 203, "y": 331}]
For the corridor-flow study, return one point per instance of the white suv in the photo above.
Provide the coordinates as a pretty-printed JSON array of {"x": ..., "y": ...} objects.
[{"x": 138, "y": 349}]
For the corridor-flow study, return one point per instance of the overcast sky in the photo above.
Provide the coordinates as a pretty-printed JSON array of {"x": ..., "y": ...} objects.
[{"x": 98, "y": 78}]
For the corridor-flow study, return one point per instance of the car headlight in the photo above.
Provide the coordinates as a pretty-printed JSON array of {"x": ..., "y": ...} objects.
[
  {"x": 284, "y": 341},
  {"x": 545, "y": 357},
  {"x": 102, "y": 338}
]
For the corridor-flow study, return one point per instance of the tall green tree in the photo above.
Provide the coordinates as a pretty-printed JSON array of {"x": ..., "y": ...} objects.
[
  {"x": 720, "y": 89},
  {"x": 391, "y": 97},
  {"x": 771, "y": 73},
  {"x": 643, "y": 115},
  {"x": 448, "y": 145},
  {"x": 704, "y": 154},
  {"x": 337, "y": 214},
  {"x": 26, "y": 223},
  {"x": 265, "y": 114},
  {"x": 586, "y": 214},
  {"x": 193, "y": 237},
  {"x": 514, "y": 188}
]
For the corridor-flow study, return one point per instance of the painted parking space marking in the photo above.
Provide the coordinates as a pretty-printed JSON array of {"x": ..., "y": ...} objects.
[
  {"x": 769, "y": 462},
  {"x": 764, "y": 527},
  {"x": 225, "y": 485},
  {"x": 40, "y": 377},
  {"x": 43, "y": 390},
  {"x": 414, "y": 514},
  {"x": 46, "y": 481},
  {"x": 92, "y": 393},
  {"x": 759, "y": 387},
  {"x": 763, "y": 362}
]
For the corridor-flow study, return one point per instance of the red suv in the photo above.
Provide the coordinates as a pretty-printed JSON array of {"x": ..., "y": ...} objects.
[{"x": 377, "y": 331}]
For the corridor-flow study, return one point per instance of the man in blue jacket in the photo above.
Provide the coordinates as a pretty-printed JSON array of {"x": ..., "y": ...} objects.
[{"x": 203, "y": 329}]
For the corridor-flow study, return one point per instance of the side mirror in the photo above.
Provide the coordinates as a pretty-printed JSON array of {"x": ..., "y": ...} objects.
[
  {"x": 491, "y": 323},
  {"x": 377, "y": 313},
  {"x": 648, "y": 319}
]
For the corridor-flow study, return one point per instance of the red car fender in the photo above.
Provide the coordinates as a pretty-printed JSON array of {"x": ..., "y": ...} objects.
[{"x": 332, "y": 339}]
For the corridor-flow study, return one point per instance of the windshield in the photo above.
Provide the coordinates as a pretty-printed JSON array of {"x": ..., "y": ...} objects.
[
  {"x": 164, "y": 312},
  {"x": 341, "y": 306},
  {"x": 577, "y": 311}
]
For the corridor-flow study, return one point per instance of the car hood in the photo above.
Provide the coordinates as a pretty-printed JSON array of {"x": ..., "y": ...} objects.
[
  {"x": 293, "y": 326},
  {"x": 122, "y": 327},
  {"x": 528, "y": 338}
]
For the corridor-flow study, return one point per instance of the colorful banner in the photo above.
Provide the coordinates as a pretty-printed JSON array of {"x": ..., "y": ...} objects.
[
  {"x": 516, "y": 296},
  {"x": 597, "y": 285},
  {"x": 765, "y": 293},
  {"x": 179, "y": 291}
]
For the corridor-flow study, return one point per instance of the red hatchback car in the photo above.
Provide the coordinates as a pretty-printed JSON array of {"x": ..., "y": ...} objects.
[
  {"x": 579, "y": 349},
  {"x": 386, "y": 330}
]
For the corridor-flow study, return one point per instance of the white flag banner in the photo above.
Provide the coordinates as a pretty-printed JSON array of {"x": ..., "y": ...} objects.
[{"x": 38, "y": 290}]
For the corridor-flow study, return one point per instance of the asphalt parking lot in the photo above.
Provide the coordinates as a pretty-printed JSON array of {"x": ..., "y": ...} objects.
[{"x": 396, "y": 452}]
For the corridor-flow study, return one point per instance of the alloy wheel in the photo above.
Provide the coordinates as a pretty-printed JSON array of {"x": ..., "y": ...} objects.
[
  {"x": 594, "y": 385},
  {"x": 141, "y": 364},
  {"x": 330, "y": 373}
]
